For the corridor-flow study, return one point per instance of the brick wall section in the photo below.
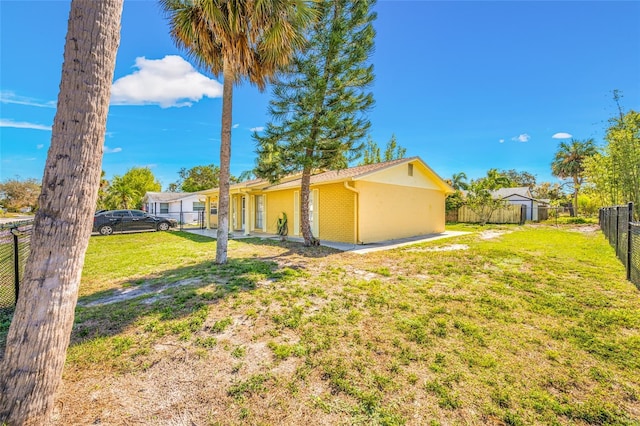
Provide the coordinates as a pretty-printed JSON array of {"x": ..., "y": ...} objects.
[
  {"x": 278, "y": 202},
  {"x": 336, "y": 213}
]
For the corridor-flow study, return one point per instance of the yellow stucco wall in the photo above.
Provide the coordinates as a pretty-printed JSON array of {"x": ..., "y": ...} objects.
[
  {"x": 421, "y": 177},
  {"x": 393, "y": 211}
]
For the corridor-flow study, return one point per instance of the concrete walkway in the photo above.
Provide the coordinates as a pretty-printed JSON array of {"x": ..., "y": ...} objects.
[{"x": 354, "y": 248}]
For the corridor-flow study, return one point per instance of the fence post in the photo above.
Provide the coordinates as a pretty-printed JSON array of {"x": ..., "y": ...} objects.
[
  {"x": 629, "y": 241},
  {"x": 617, "y": 224},
  {"x": 16, "y": 264}
]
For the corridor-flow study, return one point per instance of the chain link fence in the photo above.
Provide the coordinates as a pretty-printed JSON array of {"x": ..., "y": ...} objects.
[
  {"x": 15, "y": 242},
  {"x": 623, "y": 234}
]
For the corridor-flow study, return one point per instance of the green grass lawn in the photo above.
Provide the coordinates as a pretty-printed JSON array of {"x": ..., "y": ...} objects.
[{"x": 516, "y": 326}]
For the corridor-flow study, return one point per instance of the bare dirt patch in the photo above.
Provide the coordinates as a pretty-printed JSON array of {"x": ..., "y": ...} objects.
[
  {"x": 450, "y": 247},
  {"x": 128, "y": 293},
  {"x": 492, "y": 233},
  {"x": 586, "y": 229}
]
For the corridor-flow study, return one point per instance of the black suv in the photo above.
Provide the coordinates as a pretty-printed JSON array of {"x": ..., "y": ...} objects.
[{"x": 110, "y": 221}]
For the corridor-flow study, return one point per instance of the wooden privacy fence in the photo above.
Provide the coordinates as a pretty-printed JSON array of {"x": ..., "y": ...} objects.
[{"x": 509, "y": 214}]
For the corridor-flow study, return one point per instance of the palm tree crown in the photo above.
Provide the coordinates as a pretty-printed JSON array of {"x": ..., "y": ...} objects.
[
  {"x": 569, "y": 163},
  {"x": 254, "y": 38},
  {"x": 569, "y": 159}
]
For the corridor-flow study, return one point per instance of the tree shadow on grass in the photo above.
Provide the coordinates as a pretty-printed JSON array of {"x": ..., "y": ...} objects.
[
  {"x": 173, "y": 296},
  {"x": 293, "y": 247}
]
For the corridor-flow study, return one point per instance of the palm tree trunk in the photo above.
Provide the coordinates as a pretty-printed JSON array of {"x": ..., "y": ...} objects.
[
  {"x": 225, "y": 165},
  {"x": 40, "y": 331},
  {"x": 576, "y": 188}
]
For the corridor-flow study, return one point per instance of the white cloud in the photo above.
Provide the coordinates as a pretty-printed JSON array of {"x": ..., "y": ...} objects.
[
  {"x": 501, "y": 141},
  {"x": 7, "y": 97},
  {"x": 562, "y": 135},
  {"x": 522, "y": 138},
  {"x": 7, "y": 122},
  {"x": 108, "y": 150},
  {"x": 257, "y": 129},
  {"x": 235, "y": 126},
  {"x": 168, "y": 82},
  {"x": 40, "y": 146}
]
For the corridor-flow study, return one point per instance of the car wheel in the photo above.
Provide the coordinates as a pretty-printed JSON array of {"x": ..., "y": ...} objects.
[
  {"x": 106, "y": 230},
  {"x": 163, "y": 226}
]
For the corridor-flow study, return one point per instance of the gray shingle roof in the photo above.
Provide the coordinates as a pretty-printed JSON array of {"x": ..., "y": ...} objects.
[{"x": 522, "y": 191}]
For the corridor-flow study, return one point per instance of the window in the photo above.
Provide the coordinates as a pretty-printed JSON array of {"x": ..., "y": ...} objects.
[
  {"x": 198, "y": 206},
  {"x": 410, "y": 170},
  {"x": 259, "y": 211},
  {"x": 138, "y": 213},
  {"x": 164, "y": 208},
  {"x": 214, "y": 208},
  {"x": 121, "y": 213}
]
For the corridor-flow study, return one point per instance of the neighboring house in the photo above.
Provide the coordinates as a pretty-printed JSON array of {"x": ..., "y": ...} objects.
[
  {"x": 521, "y": 196},
  {"x": 363, "y": 204},
  {"x": 185, "y": 207}
]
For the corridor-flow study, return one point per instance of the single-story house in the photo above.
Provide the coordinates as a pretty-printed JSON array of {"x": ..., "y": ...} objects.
[
  {"x": 185, "y": 207},
  {"x": 521, "y": 196},
  {"x": 362, "y": 204}
]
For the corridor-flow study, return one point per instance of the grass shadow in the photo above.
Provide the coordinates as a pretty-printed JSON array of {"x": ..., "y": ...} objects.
[
  {"x": 168, "y": 298},
  {"x": 293, "y": 247}
]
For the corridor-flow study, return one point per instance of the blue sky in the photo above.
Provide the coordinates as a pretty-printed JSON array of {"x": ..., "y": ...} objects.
[{"x": 467, "y": 86}]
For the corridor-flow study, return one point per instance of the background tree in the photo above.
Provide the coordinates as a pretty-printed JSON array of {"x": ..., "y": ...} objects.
[
  {"x": 623, "y": 148},
  {"x": 393, "y": 151},
  {"x": 454, "y": 201},
  {"x": 519, "y": 179},
  {"x": 318, "y": 108},
  {"x": 601, "y": 179},
  {"x": 41, "y": 328},
  {"x": 16, "y": 194},
  {"x": 479, "y": 197},
  {"x": 198, "y": 178},
  {"x": 371, "y": 152},
  {"x": 458, "y": 181},
  {"x": 103, "y": 193},
  {"x": 245, "y": 176},
  {"x": 569, "y": 163},
  {"x": 120, "y": 195},
  {"x": 127, "y": 191},
  {"x": 548, "y": 191},
  {"x": 238, "y": 39}
]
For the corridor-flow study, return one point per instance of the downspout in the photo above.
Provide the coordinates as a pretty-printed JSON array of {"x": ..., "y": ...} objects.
[{"x": 356, "y": 212}]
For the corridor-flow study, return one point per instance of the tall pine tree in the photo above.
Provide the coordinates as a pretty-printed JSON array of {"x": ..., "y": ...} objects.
[{"x": 319, "y": 107}]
